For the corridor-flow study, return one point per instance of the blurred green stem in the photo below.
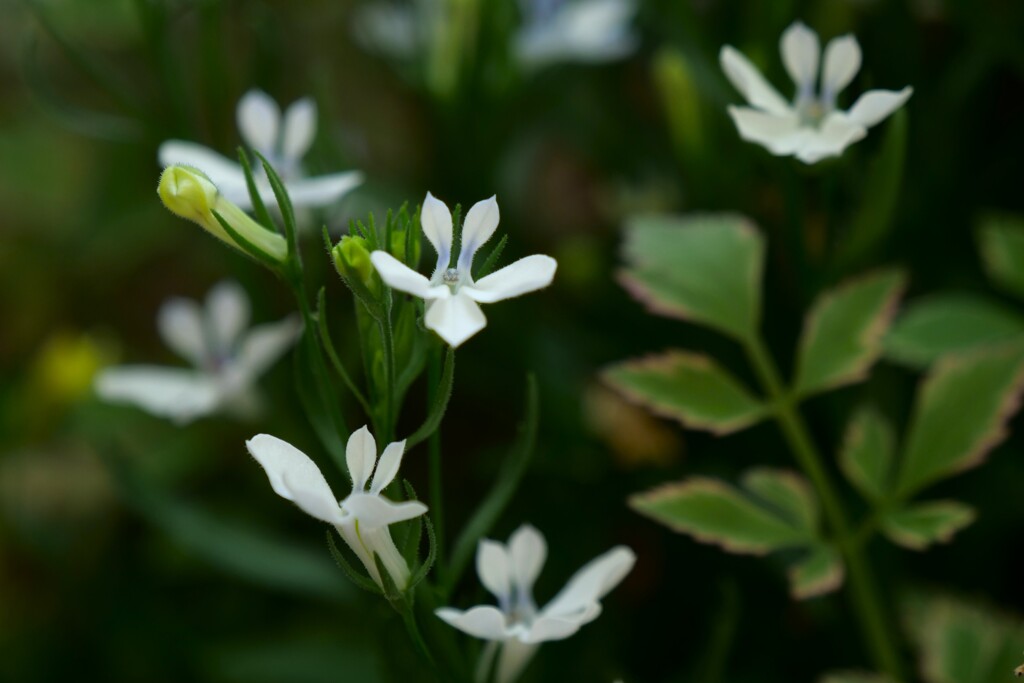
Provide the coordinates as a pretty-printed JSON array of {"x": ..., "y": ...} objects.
[
  {"x": 866, "y": 600},
  {"x": 388, "y": 342},
  {"x": 434, "y": 454}
]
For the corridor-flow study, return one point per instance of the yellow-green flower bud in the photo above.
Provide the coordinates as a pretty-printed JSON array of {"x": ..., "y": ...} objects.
[
  {"x": 352, "y": 259},
  {"x": 189, "y": 193}
]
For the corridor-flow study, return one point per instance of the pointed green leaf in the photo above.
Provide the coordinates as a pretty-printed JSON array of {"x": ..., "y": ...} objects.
[
  {"x": 786, "y": 491},
  {"x": 949, "y": 323},
  {"x": 820, "y": 572},
  {"x": 960, "y": 414},
  {"x": 689, "y": 388},
  {"x": 1001, "y": 240},
  {"x": 714, "y": 512},
  {"x": 705, "y": 268},
  {"x": 843, "y": 332},
  {"x": 920, "y": 525},
  {"x": 866, "y": 455}
]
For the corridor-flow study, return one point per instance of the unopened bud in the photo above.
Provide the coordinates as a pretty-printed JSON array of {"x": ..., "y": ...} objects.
[{"x": 352, "y": 259}]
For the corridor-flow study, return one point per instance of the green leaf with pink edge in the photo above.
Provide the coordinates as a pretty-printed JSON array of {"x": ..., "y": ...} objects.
[
  {"x": 703, "y": 268},
  {"x": 713, "y": 512},
  {"x": 843, "y": 332},
  {"x": 687, "y": 387},
  {"x": 821, "y": 571},
  {"x": 920, "y": 525},
  {"x": 1001, "y": 240},
  {"x": 867, "y": 452},
  {"x": 960, "y": 414}
]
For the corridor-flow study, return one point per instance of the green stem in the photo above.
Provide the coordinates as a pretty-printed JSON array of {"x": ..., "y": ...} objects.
[
  {"x": 388, "y": 342},
  {"x": 866, "y": 599},
  {"x": 413, "y": 629},
  {"x": 434, "y": 456}
]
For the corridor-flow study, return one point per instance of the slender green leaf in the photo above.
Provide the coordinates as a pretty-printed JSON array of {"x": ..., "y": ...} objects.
[
  {"x": 960, "y": 414},
  {"x": 714, "y": 512},
  {"x": 843, "y": 333},
  {"x": 702, "y": 268},
  {"x": 821, "y": 571},
  {"x": 247, "y": 247},
  {"x": 354, "y": 575},
  {"x": 920, "y": 525},
  {"x": 437, "y": 410},
  {"x": 950, "y": 323},
  {"x": 332, "y": 354},
  {"x": 307, "y": 388},
  {"x": 689, "y": 388},
  {"x": 259, "y": 208},
  {"x": 866, "y": 454},
  {"x": 787, "y": 492},
  {"x": 1001, "y": 240},
  {"x": 492, "y": 258}
]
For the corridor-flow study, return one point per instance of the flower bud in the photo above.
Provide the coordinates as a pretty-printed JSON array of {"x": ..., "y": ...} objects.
[
  {"x": 352, "y": 259},
  {"x": 189, "y": 193}
]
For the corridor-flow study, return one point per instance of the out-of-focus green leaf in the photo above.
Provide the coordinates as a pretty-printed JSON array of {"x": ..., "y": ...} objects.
[
  {"x": 949, "y": 323},
  {"x": 705, "y": 268},
  {"x": 786, "y": 491},
  {"x": 843, "y": 333},
  {"x": 300, "y": 659},
  {"x": 820, "y": 572},
  {"x": 1001, "y": 240},
  {"x": 687, "y": 387},
  {"x": 920, "y": 525},
  {"x": 866, "y": 455},
  {"x": 306, "y": 386},
  {"x": 961, "y": 642},
  {"x": 882, "y": 185},
  {"x": 714, "y": 512},
  {"x": 960, "y": 414},
  {"x": 854, "y": 677}
]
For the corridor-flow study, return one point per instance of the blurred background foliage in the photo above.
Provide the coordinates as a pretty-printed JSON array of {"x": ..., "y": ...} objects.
[{"x": 134, "y": 550}]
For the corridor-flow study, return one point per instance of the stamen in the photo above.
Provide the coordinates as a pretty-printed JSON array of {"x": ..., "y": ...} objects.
[{"x": 450, "y": 277}]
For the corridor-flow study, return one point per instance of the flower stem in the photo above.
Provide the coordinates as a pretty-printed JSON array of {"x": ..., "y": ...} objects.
[
  {"x": 388, "y": 342},
  {"x": 413, "y": 629},
  {"x": 434, "y": 455},
  {"x": 864, "y": 592}
]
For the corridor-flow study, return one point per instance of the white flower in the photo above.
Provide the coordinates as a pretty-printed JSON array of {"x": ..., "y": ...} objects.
[
  {"x": 509, "y": 572},
  {"x": 812, "y": 127},
  {"x": 227, "y": 358},
  {"x": 282, "y": 142},
  {"x": 589, "y": 31},
  {"x": 363, "y": 517},
  {"x": 399, "y": 31},
  {"x": 451, "y": 294}
]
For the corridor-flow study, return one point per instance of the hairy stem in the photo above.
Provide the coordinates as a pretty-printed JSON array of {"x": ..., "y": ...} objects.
[{"x": 865, "y": 597}]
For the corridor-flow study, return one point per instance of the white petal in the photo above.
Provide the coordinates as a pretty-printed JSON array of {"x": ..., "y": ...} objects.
[
  {"x": 875, "y": 105},
  {"x": 837, "y": 133},
  {"x": 494, "y": 568},
  {"x": 842, "y": 62},
  {"x": 482, "y": 621},
  {"x": 180, "y": 323},
  {"x": 553, "y": 628},
  {"x": 295, "y": 477},
  {"x": 436, "y": 221},
  {"x": 455, "y": 319},
  {"x": 481, "y": 222},
  {"x": 528, "y": 550},
  {"x": 399, "y": 276},
  {"x": 299, "y": 129},
  {"x": 525, "y": 275},
  {"x": 387, "y": 467},
  {"x": 800, "y": 54},
  {"x": 174, "y": 393},
  {"x": 780, "y": 134},
  {"x": 360, "y": 456},
  {"x": 259, "y": 119},
  {"x": 264, "y": 344},
  {"x": 590, "y": 584},
  {"x": 751, "y": 84},
  {"x": 374, "y": 511},
  {"x": 227, "y": 315},
  {"x": 319, "y": 190}
]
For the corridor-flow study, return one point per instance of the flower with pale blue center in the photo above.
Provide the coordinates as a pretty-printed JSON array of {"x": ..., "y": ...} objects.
[
  {"x": 812, "y": 127},
  {"x": 452, "y": 295}
]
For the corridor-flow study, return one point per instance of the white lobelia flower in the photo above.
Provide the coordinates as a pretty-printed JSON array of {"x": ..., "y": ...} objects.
[
  {"x": 363, "y": 517},
  {"x": 516, "y": 625},
  {"x": 282, "y": 140},
  {"x": 810, "y": 128},
  {"x": 589, "y": 31},
  {"x": 452, "y": 295},
  {"x": 227, "y": 358}
]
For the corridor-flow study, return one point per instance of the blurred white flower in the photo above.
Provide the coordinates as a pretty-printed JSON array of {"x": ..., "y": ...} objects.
[
  {"x": 399, "y": 31},
  {"x": 588, "y": 31},
  {"x": 226, "y": 355},
  {"x": 451, "y": 294},
  {"x": 812, "y": 127},
  {"x": 282, "y": 140},
  {"x": 363, "y": 517},
  {"x": 517, "y": 625}
]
